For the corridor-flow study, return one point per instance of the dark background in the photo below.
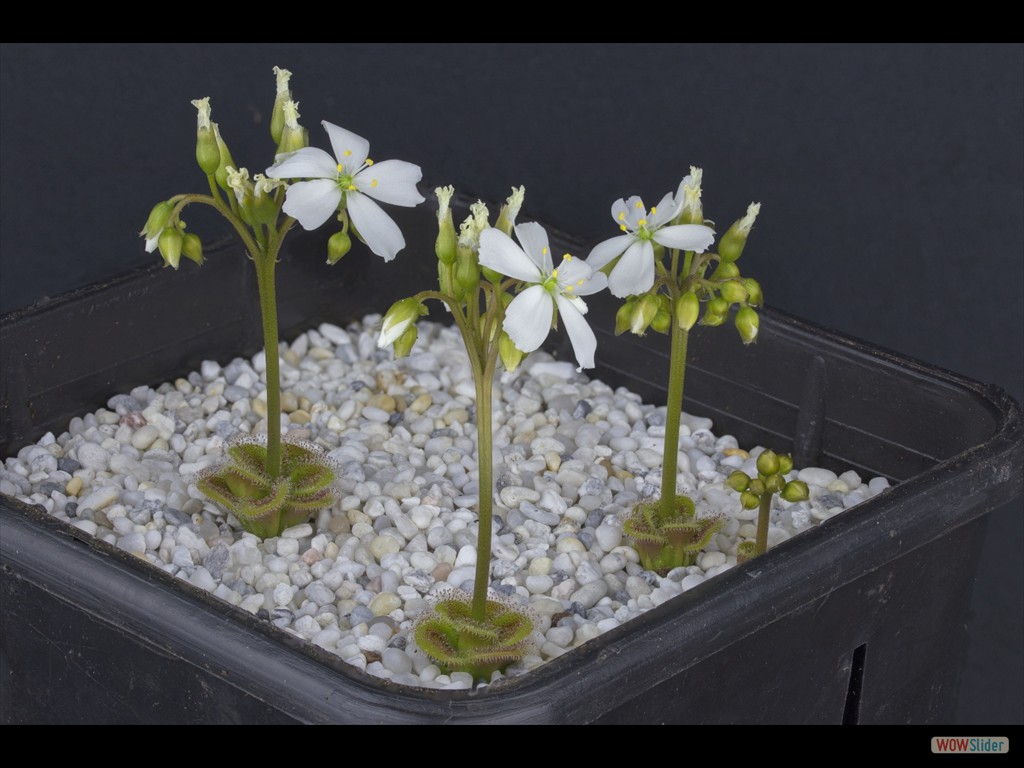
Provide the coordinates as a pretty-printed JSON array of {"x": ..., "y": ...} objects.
[{"x": 891, "y": 178}]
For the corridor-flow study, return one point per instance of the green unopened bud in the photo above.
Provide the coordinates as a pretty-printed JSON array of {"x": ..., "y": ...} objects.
[
  {"x": 775, "y": 483},
  {"x": 643, "y": 313},
  {"x": 749, "y": 500},
  {"x": 207, "y": 151},
  {"x": 738, "y": 481},
  {"x": 510, "y": 210},
  {"x": 753, "y": 288},
  {"x": 795, "y": 490},
  {"x": 716, "y": 312},
  {"x": 192, "y": 247},
  {"x": 170, "y": 244},
  {"x": 283, "y": 94},
  {"x": 662, "y": 321},
  {"x": 747, "y": 323},
  {"x": 226, "y": 162},
  {"x": 725, "y": 270},
  {"x": 447, "y": 241},
  {"x": 404, "y": 343},
  {"x": 467, "y": 271},
  {"x": 403, "y": 314},
  {"x": 624, "y": 317},
  {"x": 785, "y": 463},
  {"x": 756, "y": 486},
  {"x": 511, "y": 355},
  {"x": 688, "y": 194},
  {"x": 293, "y": 135},
  {"x": 733, "y": 292},
  {"x": 157, "y": 220},
  {"x": 687, "y": 310},
  {"x": 731, "y": 245},
  {"x": 337, "y": 246},
  {"x": 446, "y": 279},
  {"x": 767, "y": 463}
]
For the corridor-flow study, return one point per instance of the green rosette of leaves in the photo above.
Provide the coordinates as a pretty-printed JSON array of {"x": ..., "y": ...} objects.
[
  {"x": 672, "y": 540},
  {"x": 266, "y": 505},
  {"x": 455, "y": 640}
]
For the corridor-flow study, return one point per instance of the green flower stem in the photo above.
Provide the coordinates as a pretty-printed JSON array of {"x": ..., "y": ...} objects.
[
  {"x": 485, "y": 467},
  {"x": 763, "y": 512},
  {"x": 676, "y": 377},
  {"x": 268, "y": 311}
]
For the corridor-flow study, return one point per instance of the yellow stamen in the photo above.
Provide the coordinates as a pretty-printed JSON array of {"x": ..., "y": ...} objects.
[
  {"x": 567, "y": 257},
  {"x": 347, "y": 152},
  {"x": 638, "y": 204},
  {"x": 351, "y": 187},
  {"x": 622, "y": 216},
  {"x": 544, "y": 251},
  {"x": 654, "y": 210},
  {"x": 369, "y": 161},
  {"x": 580, "y": 281},
  {"x": 373, "y": 183},
  {"x": 623, "y": 227},
  {"x": 340, "y": 169},
  {"x": 554, "y": 273},
  {"x": 568, "y": 289},
  {"x": 642, "y": 223}
]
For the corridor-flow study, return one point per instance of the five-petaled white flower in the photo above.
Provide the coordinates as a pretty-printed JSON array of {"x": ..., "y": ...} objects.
[
  {"x": 634, "y": 273},
  {"x": 352, "y": 178},
  {"x": 528, "y": 318}
]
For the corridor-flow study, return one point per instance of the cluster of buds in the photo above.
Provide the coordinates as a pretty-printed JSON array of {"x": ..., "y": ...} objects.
[
  {"x": 165, "y": 231},
  {"x": 757, "y": 492}
]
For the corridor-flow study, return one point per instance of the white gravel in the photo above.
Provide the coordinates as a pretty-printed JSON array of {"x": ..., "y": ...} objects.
[{"x": 571, "y": 458}]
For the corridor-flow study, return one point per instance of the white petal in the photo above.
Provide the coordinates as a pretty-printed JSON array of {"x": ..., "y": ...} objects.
[
  {"x": 634, "y": 274},
  {"x": 308, "y": 163},
  {"x": 349, "y": 149},
  {"x": 663, "y": 212},
  {"x": 392, "y": 181},
  {"x": 528, "y": 318},
  {"x": 576, "y": 278},
  {"x": 152, "y": 242},
  {"x": 500, "y": 253},
  {"x": 584, "y": 343},
  {"x": 605, "y": 251},
  {"x": 534, "y": 240},
  {"x": 377, "y": 228},
  {"x": 312, "y": 202},
  {"x": 686, "y": 237}
]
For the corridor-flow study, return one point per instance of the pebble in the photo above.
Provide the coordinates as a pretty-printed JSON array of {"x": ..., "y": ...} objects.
[{"x": 571, "y": 458}]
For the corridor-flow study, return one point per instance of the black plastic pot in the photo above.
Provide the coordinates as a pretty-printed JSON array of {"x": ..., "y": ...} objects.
[{"x": 858, "y": 620}]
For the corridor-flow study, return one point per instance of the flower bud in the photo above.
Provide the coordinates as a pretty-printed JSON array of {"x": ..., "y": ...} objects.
[
  {"x": 725, "y": 271},
  {"x": 731, "y": 246},
  {"x": 795, "y": 490},
  {"x": 467, "y": 271},
  {"x": 774, "y": 483},
  {"x": 687, "y": 310},
  {"x": 511, "y": 355},
  {"x": 404, "y": 343},
  {"x": 716, "y": 311},
  {"x": 170, "y": 244},
  {"x": 643, "y": 313},
  {"x": 192, "y": 247},
  {"x": 767, "y": 463},
  {"x": 749, "y": 500},
  {"x": 293, "y": 135},
  {"x": 747, "y": 323},
  {"x": 403, "y": 314},
  {"x": 155, "y": 224},
  {"x": 510, "y": 210},
  {"x": 447, "y": 241},
  {"x": 756, "y": 486},
  {"x": 221, "y": 175},
  {"x": 624, "y": 317},
  {"x": 785, "y": 463},
  {"x": 733, "y": 291},
  {"x": 283, "y": 94},
  {"x": 337, "y": 246},
  {"x": 753, "y": 288},
  {"x": 207, "y": 151},
  {"x": 738, "y": 481},
  {"x": 662, "y": 321},
  {"x": 446, "y": 279}
]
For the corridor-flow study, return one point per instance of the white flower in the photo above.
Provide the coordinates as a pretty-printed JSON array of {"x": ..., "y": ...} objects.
[
  {"x": 352, "y": 178},
  {"x": 634, "y": 274},
  {"x": 528, "y": 318}
]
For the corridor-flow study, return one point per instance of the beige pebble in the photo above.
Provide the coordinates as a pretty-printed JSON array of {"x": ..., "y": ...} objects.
[
  {"x": 441, "y": 572},
  {"x": 299, "y": 416},
  {"x": 289, "y": 402},
  {"x": 736, "y": 452},
  {"x": 291, "y": 357},
  {"x": 385, "y": 603},
  {"x": 552, "y": 460},
  {"x": 421, "y": 403},
  {"x": 259, "y": 406},
  {"x": 459, "y": 415},
  {"x": 74, "y": 486},
  {"x": 383, "y": 401}
]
